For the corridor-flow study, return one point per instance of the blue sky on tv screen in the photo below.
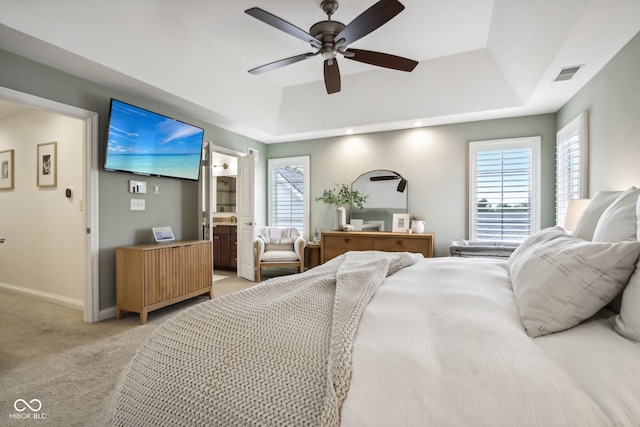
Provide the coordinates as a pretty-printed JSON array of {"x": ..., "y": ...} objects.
[{"x": 133, "y": 130}]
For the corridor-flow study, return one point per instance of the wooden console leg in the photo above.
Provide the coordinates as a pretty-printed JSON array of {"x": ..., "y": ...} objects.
[
  {"x": 143, "y": 317},
  {"x": 118, "y": 313}
]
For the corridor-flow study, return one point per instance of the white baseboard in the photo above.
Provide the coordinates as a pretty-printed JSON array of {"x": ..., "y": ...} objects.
[{"x": 45, "y": 296}]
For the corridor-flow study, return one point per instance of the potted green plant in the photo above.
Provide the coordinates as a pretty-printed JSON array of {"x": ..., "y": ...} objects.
[{"x": 343, "y": 197}]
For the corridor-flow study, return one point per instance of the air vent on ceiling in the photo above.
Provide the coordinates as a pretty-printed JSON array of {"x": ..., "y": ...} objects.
[{"x": 567, "y": 73}]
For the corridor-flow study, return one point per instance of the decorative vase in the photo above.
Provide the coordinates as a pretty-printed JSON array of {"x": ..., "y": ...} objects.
[
  {"x": 341, "y": 217},
  {"x": 417, "y": 226}
]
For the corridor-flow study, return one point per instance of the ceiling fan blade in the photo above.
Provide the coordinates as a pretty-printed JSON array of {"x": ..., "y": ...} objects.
[
  {"x": 282, "y": 25},
  {"x": 369, "y": 20},
  {"x": 331, "y": 76},
  {"x": 381, "y": 59},
  {"x": 281, "y": 63}
]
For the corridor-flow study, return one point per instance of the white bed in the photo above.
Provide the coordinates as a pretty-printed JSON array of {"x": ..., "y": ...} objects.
[
  {"x": 435, "y": 348},
  {"x": 438, "y": 342}
]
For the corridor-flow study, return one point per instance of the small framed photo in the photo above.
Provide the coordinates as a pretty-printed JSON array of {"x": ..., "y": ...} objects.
[
  {"x": 47, "y": 165},
  {"x": 401, "y": 223},
  {"x": 6, "y": 170}
]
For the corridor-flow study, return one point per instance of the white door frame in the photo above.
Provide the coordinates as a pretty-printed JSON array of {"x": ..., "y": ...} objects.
[
  {"x": 244, "y": 244},
  {"x": 90, "y": 118},
  {"x": 246, "y": 216}
]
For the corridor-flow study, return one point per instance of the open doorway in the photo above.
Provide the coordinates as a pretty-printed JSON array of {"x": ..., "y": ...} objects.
[
  {"x": 219, "y": 207},
  {"x": 69, "y": 194},
  {"x": 227, "y": 218}
]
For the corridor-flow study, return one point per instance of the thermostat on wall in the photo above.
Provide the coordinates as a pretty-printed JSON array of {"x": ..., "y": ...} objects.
[{"x": 137, "y": 186}]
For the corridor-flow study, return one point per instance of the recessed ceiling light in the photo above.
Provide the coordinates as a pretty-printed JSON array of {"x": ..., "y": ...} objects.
[
  {"x": 417, "y": 124},
  {"x": 349, "y": 131}
]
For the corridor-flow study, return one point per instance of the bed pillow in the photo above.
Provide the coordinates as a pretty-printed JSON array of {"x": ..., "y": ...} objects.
[
  {"x": 628, "y": 321},
  {"x": 619, "y": 221},
  {"x": 560, "y": 280},
  {"x": 589, "y": 219}
]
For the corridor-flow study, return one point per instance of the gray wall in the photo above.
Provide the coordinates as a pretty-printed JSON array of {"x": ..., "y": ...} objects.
[
  {"x": 434, "y": 160},
  {"x": 612, "y": 99},
  {"x": 177, "y": 203}
]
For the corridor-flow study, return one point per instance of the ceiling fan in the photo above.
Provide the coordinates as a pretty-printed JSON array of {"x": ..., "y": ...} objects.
[{"x": 331, "y": 38}]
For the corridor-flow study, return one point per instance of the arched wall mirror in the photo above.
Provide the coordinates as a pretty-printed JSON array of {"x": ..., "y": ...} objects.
[{"x": 386, "y": 193}]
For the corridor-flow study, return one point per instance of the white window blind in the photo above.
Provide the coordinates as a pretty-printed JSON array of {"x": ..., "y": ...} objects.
[
  {"x": 504, "y": 196},
  {"x": 571, "y": 165},
  {"x": 289, "y": 193}
]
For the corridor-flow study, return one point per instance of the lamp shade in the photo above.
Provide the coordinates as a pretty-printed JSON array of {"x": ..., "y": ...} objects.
[{"x": 574, "y": 211}]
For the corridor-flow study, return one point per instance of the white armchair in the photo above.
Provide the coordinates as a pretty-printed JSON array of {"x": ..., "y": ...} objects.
[{"x": 279, "y": 247}]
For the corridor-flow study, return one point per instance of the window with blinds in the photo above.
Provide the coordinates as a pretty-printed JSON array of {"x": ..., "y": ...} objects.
[
  {"x": 571, "y": 165},
  {"x": 504, "y": 189},
  {"x": 289, "y": 193}
]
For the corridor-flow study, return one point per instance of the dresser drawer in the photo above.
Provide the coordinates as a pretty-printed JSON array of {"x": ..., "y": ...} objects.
[
  {"x": 331, "y": 254},
  {"x": 401, "y": 244},
  {"x": 335, "y": 243},
  {"x": 348, "y": 242}
]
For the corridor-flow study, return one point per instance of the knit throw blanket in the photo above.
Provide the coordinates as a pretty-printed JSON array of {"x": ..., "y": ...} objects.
[{"x": 275, "y": 354}]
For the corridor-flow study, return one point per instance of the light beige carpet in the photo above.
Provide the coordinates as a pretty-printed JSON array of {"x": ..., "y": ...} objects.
[{"x": 48, "y": 353}]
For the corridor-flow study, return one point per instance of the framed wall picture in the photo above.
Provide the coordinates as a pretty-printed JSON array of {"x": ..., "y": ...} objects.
[
  {"x": 47, "y": 165},
  {"x": 6, "y": 170},
  {"x": 401, "y": 223}
]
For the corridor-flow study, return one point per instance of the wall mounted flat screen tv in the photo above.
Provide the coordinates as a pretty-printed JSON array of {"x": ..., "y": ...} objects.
[{"x": 146, "y": 143}]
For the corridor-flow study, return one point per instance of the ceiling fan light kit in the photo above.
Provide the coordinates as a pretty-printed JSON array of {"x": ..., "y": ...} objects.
[{"x": 331, "y": 38}]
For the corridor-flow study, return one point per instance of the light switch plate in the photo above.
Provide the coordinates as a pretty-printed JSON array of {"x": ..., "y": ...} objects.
[{"x": 137, "y": 204}]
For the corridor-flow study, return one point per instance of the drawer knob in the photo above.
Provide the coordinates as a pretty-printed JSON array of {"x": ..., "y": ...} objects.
[
  {"x": 399, "y": 242},
  {"x": 347, "y": 240}
]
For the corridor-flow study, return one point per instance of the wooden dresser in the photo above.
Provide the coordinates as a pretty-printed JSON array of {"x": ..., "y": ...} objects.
[
  {"x": 149, "y": 277},
  {"x": 334, "y": 243}
]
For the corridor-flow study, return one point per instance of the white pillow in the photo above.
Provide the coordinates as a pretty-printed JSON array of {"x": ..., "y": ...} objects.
[
  {"x": 560, "y": 280},
  {"x": 619, "y": 221},
  {"x": 628, "y": 321},
  {"x": 589, "y": 219}
]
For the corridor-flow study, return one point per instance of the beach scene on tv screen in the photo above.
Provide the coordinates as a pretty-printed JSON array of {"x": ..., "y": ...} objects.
[{"x": 144, "y": 142}]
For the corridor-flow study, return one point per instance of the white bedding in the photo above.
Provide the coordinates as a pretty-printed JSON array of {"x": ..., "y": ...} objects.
[{"x": 442, "y": 344}]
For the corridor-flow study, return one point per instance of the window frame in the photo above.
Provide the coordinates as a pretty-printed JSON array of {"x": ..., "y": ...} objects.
[
  {"x": 290, "y": 161},
  {"x": 533, "y": 143},
  {"x": 578, "y": 127}
]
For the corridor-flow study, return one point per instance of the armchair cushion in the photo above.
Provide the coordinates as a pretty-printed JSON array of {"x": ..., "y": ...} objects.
[
  {"x": 278, "y": 247},
  {"x": 278, "y": 235},
  {"x": 279, "y": 256}
]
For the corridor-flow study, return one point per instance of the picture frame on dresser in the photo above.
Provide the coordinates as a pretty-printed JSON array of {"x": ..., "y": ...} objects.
[
  {"x": 6, "y": 169},
  {"x": 401, "y": 223}
]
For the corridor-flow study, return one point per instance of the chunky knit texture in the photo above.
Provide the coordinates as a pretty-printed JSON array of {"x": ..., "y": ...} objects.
[{"x": 274, "y": 354}]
